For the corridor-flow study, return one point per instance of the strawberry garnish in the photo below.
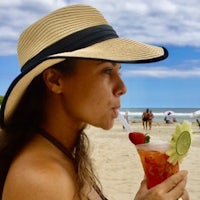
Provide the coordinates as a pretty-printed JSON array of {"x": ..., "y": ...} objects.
[{"x": 139, "y": 138}]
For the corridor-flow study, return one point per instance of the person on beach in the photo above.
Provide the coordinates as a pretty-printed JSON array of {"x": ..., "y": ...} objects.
[
  {"x": 145, "y": 119},
  {"x": 70, "y": 64},
  {"x": 167, "y": 119},
  {"x": 126, "y": 118},
  {"x": 151, "y": 116},
  {"x": 174, "y": 120}
]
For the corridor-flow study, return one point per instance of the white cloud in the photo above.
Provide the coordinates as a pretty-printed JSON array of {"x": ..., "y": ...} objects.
[
  {"x": 186, "y": 69},
  {"x": 159, "y": 22},
  {"x": 162, "y": 72}
]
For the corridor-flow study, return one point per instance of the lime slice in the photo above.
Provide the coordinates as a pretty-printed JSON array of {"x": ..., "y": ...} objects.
[
  {"x": 183, "y": 143},
  {"x": 180, "y": 142}
]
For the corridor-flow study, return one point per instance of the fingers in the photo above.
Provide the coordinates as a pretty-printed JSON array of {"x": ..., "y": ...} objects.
[
  {"x": 178, "y": 190},
  {"x": 144, "y": 184},
  {"x": 173, "y": 188},
  {"x": 185, "y": 195},
  {"x": 177, "y": 180}
]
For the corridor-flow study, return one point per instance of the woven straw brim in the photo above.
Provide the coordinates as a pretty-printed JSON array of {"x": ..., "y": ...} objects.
[{"x": 118, "y": 50}]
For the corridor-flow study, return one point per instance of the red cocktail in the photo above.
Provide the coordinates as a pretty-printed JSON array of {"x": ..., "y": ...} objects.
[{"x": 155, "y": 164}]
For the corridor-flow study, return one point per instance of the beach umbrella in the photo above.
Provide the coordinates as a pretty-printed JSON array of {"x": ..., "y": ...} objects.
[
  {"x": 169, "y": 112},
  {"x": 196, "y": 113}
]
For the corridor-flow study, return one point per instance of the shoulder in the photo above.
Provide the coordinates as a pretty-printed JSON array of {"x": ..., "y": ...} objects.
[{"x": 39, "y": 178}]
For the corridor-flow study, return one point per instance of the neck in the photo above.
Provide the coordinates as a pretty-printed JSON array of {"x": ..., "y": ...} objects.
[
  {"x": 59, "y": 123},
  {"x": 67, "y": 136},
  {"x": 62, "y": 148}
]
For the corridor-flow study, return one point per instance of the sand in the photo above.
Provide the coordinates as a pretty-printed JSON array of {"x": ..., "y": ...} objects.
[{"x": 118, "y": 165}]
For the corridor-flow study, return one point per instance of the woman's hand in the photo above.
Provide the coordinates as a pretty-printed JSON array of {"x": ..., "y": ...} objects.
[{"x": 172, "y": 188}]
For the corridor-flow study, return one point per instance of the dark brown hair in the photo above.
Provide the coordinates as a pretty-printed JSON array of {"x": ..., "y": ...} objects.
[{"x": 24, "y": 123}]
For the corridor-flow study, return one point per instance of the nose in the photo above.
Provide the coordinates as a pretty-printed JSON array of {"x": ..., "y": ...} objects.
[{"x": 120, "y": 88}]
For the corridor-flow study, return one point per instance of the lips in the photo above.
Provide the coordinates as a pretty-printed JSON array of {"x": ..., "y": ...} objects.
[{"x": 115, "y": 112}]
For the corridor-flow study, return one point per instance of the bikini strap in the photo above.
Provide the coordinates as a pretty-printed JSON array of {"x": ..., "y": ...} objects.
[
  {"x": 68, "y": 154},
  {"x": 56, "y": 143}
]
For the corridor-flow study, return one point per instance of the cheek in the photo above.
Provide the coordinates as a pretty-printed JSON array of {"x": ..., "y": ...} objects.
[
  {"x": 94, "y": 92},
  {"x": 94, "y": 102},
  {"x": 83, "y": 99},
  {"x": 98, "y": 98},
  {"x": 95, "y": 109},
  {"x": 90, "y": 102},
  {"x": 98, "y": 112}
]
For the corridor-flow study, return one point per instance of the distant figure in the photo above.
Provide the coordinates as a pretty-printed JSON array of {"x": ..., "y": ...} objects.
[
  {"x": 167, "y": 120},
  {"x": 174, "y": 119},
  {"x": 126, "y": 118},
  {"x": 198, "y": 122},
  {"x": 145, "y": 118},
  {"x": 151, "y": 116}
]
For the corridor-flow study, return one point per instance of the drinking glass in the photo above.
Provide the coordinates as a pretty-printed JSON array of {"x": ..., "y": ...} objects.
[{"x": 154, "y": 161}]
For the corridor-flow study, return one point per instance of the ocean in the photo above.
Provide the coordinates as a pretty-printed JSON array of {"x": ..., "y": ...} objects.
[{"x": 181, "y": 114}]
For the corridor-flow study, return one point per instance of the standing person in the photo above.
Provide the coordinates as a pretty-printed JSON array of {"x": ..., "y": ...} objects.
[
  {"x": 151, "y": 116},
  {"x": 70, "y": 63},
  {"x": 145, "y": 118},
  {"x": 126, "y": 118}
]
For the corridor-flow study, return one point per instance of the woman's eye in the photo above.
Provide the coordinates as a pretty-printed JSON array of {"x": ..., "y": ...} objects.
[{"x": 108, "y": 70}]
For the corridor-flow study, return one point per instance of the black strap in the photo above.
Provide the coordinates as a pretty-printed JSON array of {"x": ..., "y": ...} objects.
[
  {"x": 66, "y": 151},
  {"x": 75, "y": 41},
  {"x": 56, "y": 143}
]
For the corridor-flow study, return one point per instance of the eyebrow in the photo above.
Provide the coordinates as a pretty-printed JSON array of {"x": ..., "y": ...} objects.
[{"x": 113, "y": 63}]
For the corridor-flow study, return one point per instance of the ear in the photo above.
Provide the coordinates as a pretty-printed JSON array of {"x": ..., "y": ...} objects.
[{"x": 52, "y": 79}]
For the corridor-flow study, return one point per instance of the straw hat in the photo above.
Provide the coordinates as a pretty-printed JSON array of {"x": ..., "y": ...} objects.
[{"x": 74, "y": 31}]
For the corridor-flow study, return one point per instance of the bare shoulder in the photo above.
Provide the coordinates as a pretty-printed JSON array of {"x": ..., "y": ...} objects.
[{"x": 36, "y": 176}]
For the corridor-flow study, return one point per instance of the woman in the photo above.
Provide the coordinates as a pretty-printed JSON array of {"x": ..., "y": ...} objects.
[
  {"x": 70, "y": 63},
  {"x": 151, "y": 116},
  {"x": 145, "y": 118}
]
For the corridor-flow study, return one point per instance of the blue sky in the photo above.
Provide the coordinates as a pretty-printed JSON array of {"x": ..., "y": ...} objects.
[{"x": 174, "y": 24}]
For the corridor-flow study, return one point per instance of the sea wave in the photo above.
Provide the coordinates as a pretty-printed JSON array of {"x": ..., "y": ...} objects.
[{"x": 179, "y": 114}]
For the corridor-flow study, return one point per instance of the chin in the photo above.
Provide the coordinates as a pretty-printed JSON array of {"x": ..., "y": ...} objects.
[
  {"x": 104, "y": 124},
  {"x": 108, "y": 126}
]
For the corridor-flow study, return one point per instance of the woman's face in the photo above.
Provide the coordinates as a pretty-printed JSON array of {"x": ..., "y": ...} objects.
[{"x": 92, "y": 93}]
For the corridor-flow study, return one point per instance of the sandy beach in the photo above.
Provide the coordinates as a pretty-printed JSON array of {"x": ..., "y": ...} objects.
[{"x": 118, "y": 165}]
